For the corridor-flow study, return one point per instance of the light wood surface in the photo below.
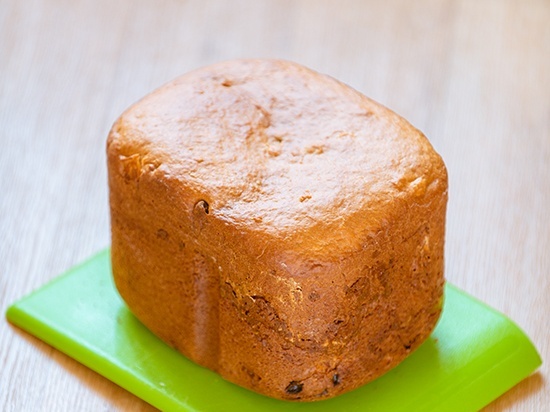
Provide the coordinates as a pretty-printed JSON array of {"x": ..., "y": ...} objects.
[{"x": 473, "y": 75}]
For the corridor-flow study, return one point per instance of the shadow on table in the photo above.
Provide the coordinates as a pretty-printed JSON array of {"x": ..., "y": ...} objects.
[{"x": 522, "y": 390}]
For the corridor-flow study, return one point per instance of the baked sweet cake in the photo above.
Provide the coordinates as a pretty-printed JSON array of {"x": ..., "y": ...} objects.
[{"x": 278, "y": 227}]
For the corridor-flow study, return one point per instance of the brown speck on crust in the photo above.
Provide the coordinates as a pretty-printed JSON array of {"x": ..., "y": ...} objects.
[
  {"x": 294, "y": 387},
  {"x": 324, "y": 393},
  {"x": 203, "y": 204},
  {"x": 163, "y": 234}
]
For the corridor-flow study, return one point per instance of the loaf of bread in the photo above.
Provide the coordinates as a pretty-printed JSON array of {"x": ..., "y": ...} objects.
[{"x": 278, "y": 227}]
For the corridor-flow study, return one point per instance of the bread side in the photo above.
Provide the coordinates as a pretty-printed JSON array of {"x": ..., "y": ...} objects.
[{"x": 277, "y": 227}]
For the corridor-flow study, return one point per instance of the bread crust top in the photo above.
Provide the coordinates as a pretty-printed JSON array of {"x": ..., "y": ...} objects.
[{"x": 276, "y": 149}]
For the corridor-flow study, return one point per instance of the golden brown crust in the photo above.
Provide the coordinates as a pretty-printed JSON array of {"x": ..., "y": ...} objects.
[{"x": 277, "y": 226}]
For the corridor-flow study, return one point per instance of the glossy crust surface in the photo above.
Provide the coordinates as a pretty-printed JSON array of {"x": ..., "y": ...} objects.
[{"x": 277, "y": 226}]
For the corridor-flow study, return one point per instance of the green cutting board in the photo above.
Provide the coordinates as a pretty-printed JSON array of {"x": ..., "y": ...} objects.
[{"x": 474, "y": 355}]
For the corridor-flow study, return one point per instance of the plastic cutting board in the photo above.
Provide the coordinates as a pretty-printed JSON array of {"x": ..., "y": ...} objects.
[{"x": 474, "y": 355}]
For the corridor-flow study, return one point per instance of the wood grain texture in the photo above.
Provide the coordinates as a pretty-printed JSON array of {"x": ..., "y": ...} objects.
[{"x": 473, "y": 75}]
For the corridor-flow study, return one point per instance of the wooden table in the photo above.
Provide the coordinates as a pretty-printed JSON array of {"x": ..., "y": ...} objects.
[{"x": 473, "y": 75}]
